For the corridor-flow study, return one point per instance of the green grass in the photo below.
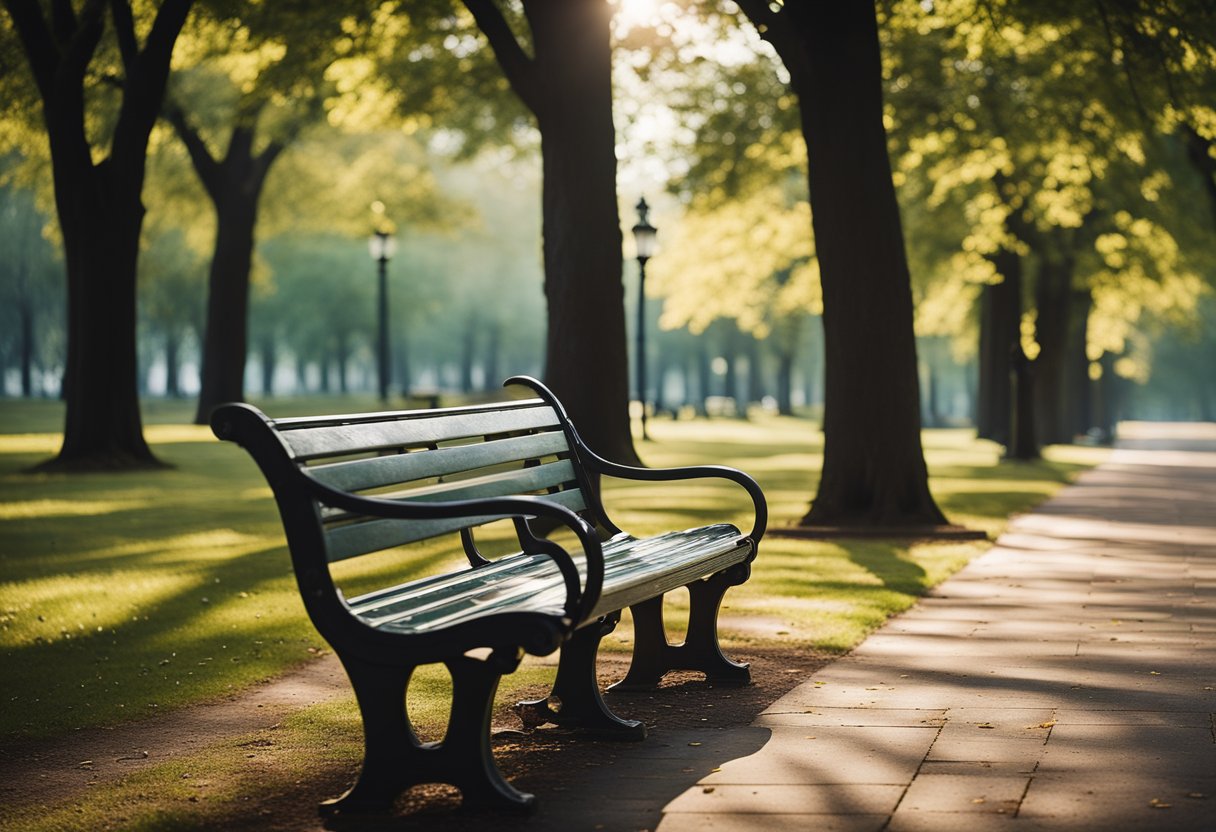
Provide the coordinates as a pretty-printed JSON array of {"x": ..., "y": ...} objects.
[{"x": 124, "y": 595}]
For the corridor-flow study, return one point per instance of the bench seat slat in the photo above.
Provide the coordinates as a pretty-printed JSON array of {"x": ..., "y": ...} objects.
[
  {"x": 634, "y": 570},
  {"x": 361, "y": 474},
  {"x": 356, "y": 539},
  {"x": 331, "y": 440}
]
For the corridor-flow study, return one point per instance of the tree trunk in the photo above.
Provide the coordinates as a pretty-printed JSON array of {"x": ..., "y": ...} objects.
[
  {"x": 493, "y": 357},
  {"x": 235, "y": 186},
  {"x": 467, "y": 353},
  {"x": 705, "y": 376},
  {"x": 567, "y": 83},
  {"x": 1076, "y": 385},
  {"x": 172, "y": 362},
  {"x": 1053, "y": 295},
  {"x": 874, "y": 470},
  {"x": 1000, "y": 330},
  {"x": 270, "y": 360},
  {"x": 25, "y": 310},
  {"x": 100, "y": 213},
  {"x": 785, "y": 383}
]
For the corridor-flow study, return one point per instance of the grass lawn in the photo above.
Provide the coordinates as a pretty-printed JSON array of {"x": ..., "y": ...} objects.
[{"x": 126, "y": 595}]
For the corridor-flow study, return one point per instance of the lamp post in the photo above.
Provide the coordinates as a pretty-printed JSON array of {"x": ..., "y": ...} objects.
[
  {"x": 382, "y": 247},
  {"x": 643, "y": 238}
]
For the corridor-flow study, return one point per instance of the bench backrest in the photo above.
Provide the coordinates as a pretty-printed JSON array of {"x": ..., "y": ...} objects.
[{"x": 503, "y": 449}]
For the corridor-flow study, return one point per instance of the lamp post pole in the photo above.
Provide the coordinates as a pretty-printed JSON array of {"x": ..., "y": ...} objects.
[
  {"x": 644, "y": 237},
  {"x": 382, "y": 246}
]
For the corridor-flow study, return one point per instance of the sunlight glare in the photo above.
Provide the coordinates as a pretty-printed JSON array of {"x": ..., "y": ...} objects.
[{"x": 631, "y": 13}]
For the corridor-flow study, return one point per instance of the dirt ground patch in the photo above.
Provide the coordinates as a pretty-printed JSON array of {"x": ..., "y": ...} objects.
[{"x": 689, "y": 722}]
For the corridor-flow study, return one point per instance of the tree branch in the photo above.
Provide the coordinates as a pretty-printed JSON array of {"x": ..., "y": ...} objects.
[
  {"x": 41, "y": 51},
  {"x": 515, "y": 63},
  {"x": 124, "y": 31},
  {"x": 146, "y": 80},
  {"x": 773, "y": 27},
  {"x": 63, "y": 20},
  {"x": 205, "y": 164}
]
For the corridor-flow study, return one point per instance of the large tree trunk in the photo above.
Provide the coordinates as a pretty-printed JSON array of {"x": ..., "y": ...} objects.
[
  {"x": 1053, "y": 296},
  {"x": 1000, "y": 331},
  {"x": 1076, "y": 385},
  {"x": 100, "y": 214},
  {"x": 173, "y": 339},
  {"x": 567, "y": 83},
  {"x": 235, "y": 186},
  {"x": 874, "y": 470}
]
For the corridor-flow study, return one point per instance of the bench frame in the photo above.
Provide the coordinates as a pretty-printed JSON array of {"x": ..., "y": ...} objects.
[{"x": 380, "y": 664}]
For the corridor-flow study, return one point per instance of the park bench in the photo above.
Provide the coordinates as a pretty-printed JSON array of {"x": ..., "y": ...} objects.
[{"x": 355, "y": 485}]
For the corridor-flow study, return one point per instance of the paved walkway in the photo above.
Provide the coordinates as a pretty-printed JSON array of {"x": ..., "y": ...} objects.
[{"x": 1066, "y": 680}]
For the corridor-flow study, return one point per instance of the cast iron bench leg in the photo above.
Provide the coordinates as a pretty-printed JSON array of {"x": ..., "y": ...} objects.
[
  {"x": 394, "y": 759},
  {"x": 466, "y": 757},
  {"x": 654, "y": 656},
  {"x": 577, "y": 692},
  {"x": 389, "y": 741}
]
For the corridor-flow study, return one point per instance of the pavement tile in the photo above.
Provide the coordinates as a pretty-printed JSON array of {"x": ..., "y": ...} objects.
[
  {"x": 1115, "y": 748},
  {"x": 839, "y": 799},
  {"x": 965, "y": 793},
  {"x": 1135, "y": 801},
  {"x": 831, "y": 754},
  {"x": 874, "y": 717},
  {"x": 1175, "y": 719},
  {"x": 997, "y": 749},
  {"x": 913, "y": 821},
  {"x": 735, "y": 822}
]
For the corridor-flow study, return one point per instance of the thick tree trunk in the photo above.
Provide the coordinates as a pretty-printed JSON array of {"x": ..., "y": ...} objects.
[
  {"x": 100, "y": 212},
  {"x": 567, "y": 83},
  {"x": 1077, "y": 386},
  {"x": 874, "y": 470},
  {"x": 1053, "y": 296},
  {"x": 585, "y": 359},
  {"x": 1000, "y": 330},
  {"x": 235, "y": 186}
]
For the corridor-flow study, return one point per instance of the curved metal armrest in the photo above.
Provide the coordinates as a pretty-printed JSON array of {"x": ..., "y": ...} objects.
[
  {"x": 597, "y": 463},
  {"x": 579, "y": 600}
]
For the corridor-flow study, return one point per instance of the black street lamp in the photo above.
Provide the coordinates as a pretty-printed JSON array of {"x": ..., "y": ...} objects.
[
  {"x": 382, "y": 247},
  {"x": 643, "y": 238}
]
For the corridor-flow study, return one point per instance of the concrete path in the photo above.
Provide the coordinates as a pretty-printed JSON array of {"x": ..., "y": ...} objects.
[{"x": 1066, "y": 680}]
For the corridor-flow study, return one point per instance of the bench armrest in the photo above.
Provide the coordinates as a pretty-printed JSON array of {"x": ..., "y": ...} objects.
[
  {"x": 597, "y": 463},
  {"x": 580, "y": 601}
]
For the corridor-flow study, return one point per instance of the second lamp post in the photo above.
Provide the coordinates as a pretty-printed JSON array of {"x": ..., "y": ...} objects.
[
  {"x": 644, "y": 239},
  {"x": 382, "y": 247}
]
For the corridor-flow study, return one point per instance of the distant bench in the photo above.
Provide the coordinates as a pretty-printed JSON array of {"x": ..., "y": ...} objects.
[{"x": 353, "y": 485}]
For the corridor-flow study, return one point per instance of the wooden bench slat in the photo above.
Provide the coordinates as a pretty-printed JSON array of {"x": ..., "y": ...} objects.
[
  {"x": 373, "y": 535},
  {"x": 309, "y": 443},
  {"x": 533, "y": 583},
  {"x": 361, "y": 474}
]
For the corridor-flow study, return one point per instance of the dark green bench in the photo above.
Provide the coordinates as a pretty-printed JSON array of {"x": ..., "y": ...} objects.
[{"x": 353, "y": 485}]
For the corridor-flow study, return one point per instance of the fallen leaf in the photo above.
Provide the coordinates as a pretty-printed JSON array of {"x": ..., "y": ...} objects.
[
  {"x": 978, "y": 800},
  {"x": 1047, "y": 724},
  {"x": 694, "y": 744},
  {"x": 707, "y": 790},
  {"x": 1157, "y": 803},
  {"x": 985, "y": 725}
]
